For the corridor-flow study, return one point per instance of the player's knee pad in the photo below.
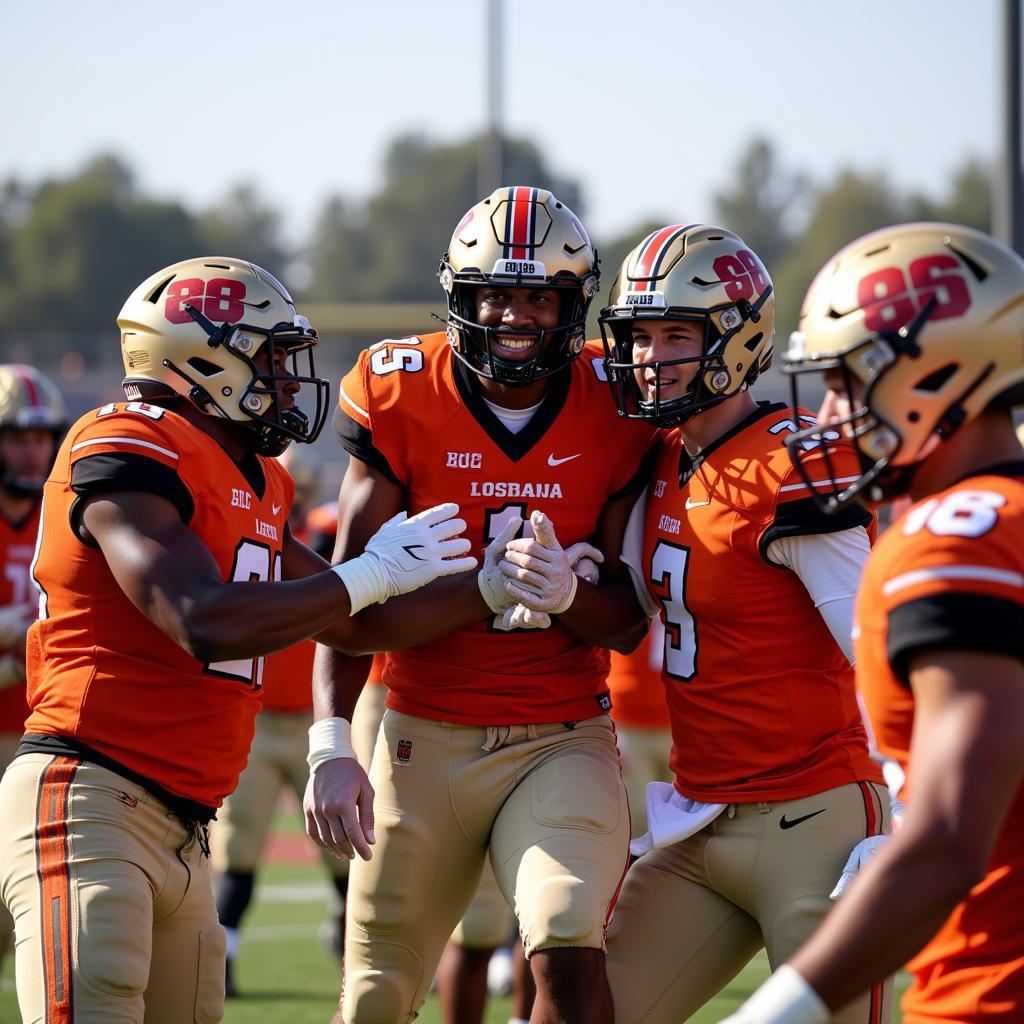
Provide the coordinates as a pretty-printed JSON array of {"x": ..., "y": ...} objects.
[
  {"x": 565, "y": 912},
  {"x": 393, "y": 890},
  {"x": 115, "y": 945},
  {"x": 385, "y": 989}
]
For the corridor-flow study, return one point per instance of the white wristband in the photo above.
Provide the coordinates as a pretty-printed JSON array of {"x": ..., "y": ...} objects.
[
  {"x": 785, "y": 998},
  {"x": 329, "y": 739},
  {"x": 567, "y": 603},
  {"x": 364, "y": 580}
]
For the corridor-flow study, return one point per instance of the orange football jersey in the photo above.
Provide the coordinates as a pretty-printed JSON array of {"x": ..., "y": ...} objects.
[
  {"x": 950, "y": 573},
  {"x": 411, "y": 410},
  {"x": 17, "y": 543},
  {"x": 100, "y": 673},
  {"x": 760, "y": 696},
  {"x": 636, "y": 684}
]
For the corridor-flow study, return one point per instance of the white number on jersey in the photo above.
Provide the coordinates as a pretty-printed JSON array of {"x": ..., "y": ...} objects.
[
  {"x": 668, "y": 571},
  {"x": 960, "y": 514},
  {"x": 391, "y": 354},
  {"x": 252, "y": 563}
]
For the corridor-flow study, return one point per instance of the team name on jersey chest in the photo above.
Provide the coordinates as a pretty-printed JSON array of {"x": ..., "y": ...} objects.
[{"x": 502, "y": 488}]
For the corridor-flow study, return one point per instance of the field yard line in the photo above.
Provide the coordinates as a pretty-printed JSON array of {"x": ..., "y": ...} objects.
[{"x": 295, "y": 892}]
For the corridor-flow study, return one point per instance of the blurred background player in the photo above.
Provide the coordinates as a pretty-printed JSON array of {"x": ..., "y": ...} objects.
[
  {"x": 501, "y": 413},
  {"x": 32, "y": 422},
  {"x": 641, "y": 720},
  {"x": 163, "y": 536},
  {"x": 774, "y": 785},
  {"x": 277, "y": 757},
  {"x": 917, "y": 329}
]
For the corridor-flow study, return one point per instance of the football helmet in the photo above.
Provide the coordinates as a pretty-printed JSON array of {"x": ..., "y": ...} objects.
[
  {"x": 690, "y": 272},
  {"x": 925, "y": 322},
  {"x": 519, "y": 237},
  {"x": 196, "y": 328},
  {"x": 29, "y": 400}
]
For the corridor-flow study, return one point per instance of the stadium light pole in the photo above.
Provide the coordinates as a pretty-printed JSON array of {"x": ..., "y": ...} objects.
[
  {"x": 1008, "y": 208},
  {"x": 490, "y": 161}
]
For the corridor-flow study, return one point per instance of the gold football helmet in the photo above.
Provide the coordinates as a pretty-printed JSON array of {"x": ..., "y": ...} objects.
[
  {"x": 519, "y": 237},
  {"x": 926, "y": 321},
  {"x": 690, "y": 272},
  {"x": 29, "y": 400},
  {"x": 196, "y": 329}
]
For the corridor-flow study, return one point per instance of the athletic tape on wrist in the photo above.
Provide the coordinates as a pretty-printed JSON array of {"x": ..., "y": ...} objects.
[
  {"x": 363, "y": 580},
  {"x": 567, "y": 603},
  {"x": 785, "y": 998},
  {"x": 329, "y": 739}
]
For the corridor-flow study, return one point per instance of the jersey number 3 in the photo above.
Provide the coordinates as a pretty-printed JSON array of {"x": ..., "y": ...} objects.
[{"x": 668, "y": 574}]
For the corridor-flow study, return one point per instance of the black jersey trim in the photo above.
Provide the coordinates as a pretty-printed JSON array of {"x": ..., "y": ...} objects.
[
  {"x": 252, "y": 469},
  {"x": 127, "y": 471},
  {"x": 973, "y": 622},
  {"x": 803, "y": 518},
  {"x": 64, "y": 746},
  {"x": 1012, "y": 469},
  {"x": 642, "y": 477},
  {"x": 514, "y": 445},
  {"x": 357, "y": 440}
]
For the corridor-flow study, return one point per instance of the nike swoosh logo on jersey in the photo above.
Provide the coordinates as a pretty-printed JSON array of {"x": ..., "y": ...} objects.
[
  {"x": 276, "y": 508},
  {"x": 783, "y": 823},
  {"x": 693, "y": 504},
  {"x": 552, "y": 461}
]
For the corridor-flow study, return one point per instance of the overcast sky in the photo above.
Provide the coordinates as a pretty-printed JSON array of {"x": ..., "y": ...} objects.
[{"x": 647, "y": 102}]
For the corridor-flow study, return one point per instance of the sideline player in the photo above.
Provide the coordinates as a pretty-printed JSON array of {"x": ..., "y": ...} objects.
[
  {"x": 163, "y": 535},
  {"x": 774, "y": 785},
  {"x": 918, "y": 331},
  {"x": 641, "y": 719},
  {"x": 32, "y": 421},
  {"x": 495, "y": 742}
]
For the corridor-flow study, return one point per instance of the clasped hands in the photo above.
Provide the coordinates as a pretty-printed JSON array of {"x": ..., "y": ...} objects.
[{"x": 526, "y": 580}]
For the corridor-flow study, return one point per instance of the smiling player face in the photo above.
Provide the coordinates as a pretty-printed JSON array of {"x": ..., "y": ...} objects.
[{"x": 518, "y": 314}]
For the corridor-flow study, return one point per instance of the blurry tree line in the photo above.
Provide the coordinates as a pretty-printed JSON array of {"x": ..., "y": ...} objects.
[{"x": 71, "y": 249}]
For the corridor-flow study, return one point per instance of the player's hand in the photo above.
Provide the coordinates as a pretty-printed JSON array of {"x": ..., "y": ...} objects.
[
  {"x": 539, "y": 572},
  {"x": 14, "y": 622},
  {"x": 585, "y": 567},
  {"x": 489, "y": 578},
  {"x": 338, "y": 806},
  {"x": 405, "y": 554},
  {"x": 859, "y": 856}
]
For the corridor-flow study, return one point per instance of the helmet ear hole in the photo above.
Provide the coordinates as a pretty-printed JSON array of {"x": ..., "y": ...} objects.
[
  {"x": 204, "y": 366},
  {"x": 752, "y": 343},
  {"x": 936, "y": 380}
]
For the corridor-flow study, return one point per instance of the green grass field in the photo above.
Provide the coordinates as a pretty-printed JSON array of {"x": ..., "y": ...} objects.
[{"x": 286, "y": 975}]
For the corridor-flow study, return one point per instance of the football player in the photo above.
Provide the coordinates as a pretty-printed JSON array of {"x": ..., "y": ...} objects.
[
  {"x": 496, "y": 742},
  {"x": 641, "y": 720},
  {"x": 917, "y": 329},
  {"x": 773, "y": 784},
  {"x": 165, "y": 570},
  {"x": 32, "y": 421}
]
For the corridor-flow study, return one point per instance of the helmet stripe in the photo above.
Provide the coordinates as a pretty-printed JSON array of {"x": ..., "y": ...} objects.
[
  {"x": 34, "y": 398},
  {"x": 648, "y": 262},
  {"x": 521, "y": 219}
]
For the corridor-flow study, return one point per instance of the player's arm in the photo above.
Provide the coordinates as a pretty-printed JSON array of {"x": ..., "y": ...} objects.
[
  {"x": 167, "y": 572},
  {"x": 968, "y": 764},
  {"x": 339, "y": 800},
  {"x": 540, "y": 576}
]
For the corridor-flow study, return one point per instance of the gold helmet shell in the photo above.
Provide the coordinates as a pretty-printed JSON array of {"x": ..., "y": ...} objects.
[
  {"x": 929, "y": 319},
  {"x": 519, "y": 237},
  {"x": 692, "y": 272},
  {"x": 195, "y": 328}
]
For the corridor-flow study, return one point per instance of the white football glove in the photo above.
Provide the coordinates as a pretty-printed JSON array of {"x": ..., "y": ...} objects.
[
  {"x": 489, "y": 579},
  {"x": 14, "y": 622},
  {"x": 405, "y": 554},
  {"x": 859, "y": 856},
  {"x": 539, "y": 572}
]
